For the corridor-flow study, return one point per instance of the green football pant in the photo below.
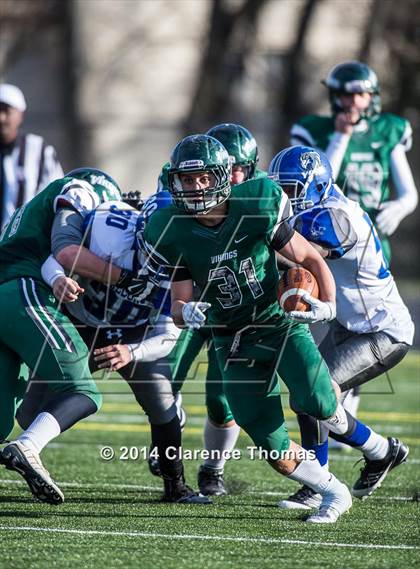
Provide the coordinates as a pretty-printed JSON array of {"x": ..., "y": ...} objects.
[
  {"x": 250, "y": 367},
  {"x": 191, "y": 343},
  {"x": 36, "y": 333}
]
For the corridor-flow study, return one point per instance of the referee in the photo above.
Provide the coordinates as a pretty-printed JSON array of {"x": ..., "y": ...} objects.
[{"x": 27, "y": 162}]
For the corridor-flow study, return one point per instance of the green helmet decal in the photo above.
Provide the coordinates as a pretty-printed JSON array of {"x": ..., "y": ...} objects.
[
  {"x": 353, "y": 77},
  {"x": 240, "y": 144},
  {"x": 103, "y": 184},
  {"x": 199, "y": 153}
]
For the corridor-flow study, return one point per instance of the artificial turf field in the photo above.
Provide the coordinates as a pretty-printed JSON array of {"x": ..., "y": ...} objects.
[{"x": 112, "y": 516}]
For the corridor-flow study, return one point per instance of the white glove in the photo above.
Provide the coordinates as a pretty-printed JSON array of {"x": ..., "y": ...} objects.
[
  {"x": 390, "y": 216},
  {"x": 320, "y": 311},
  {"x": 193, "y": 314}
]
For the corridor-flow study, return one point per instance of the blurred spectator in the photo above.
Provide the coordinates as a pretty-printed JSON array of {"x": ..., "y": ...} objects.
[
  {"x": 27, "y": 162},
  {"x": 365, "y": 146}
]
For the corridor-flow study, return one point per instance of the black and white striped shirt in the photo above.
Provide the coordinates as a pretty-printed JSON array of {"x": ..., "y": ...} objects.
[{"x": 25, "y": 169}]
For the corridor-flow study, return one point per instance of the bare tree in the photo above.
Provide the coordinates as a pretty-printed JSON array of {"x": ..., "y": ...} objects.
[
  {"x": 231, "y": 38},
  {"x": 289, "y": 88}
]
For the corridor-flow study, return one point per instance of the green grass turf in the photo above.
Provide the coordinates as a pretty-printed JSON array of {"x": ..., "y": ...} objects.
[{"x": 120, "y": 500}]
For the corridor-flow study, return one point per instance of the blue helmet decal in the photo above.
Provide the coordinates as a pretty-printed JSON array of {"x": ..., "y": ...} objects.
[{"x": 304, "y": 173}]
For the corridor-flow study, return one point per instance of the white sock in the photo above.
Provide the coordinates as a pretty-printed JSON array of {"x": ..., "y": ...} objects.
[
  {"x": 376, "y": 447},
  {"x": 338, "y": 423},
  {"x": 40, "y": 432},
  {"x": 312, "y": 474},
  {"x": 219, "y": 439}
]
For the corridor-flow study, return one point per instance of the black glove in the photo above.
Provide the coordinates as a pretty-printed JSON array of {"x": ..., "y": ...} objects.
[
  {"x": 134, "y": 283},
  {"x": 133, "y": 199}
]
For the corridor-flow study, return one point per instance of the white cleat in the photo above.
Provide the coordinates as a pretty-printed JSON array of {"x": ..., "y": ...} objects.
[
  {"x": 303, "y": 499},
  {"x": 334, "y": 504},
  {"x": 15, "y": 456}
]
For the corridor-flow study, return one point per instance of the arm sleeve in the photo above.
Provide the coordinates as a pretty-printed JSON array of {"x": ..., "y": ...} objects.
[
  {"x": 402, "y": 177},
  {"x": 51, "y": 270},
  {"x": 336, "y": 150},
  {"x": 67, "y": 229},
  {"x": 159, "y": 343}
]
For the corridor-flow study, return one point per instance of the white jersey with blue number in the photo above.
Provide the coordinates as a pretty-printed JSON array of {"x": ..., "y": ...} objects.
[
  {"x": 367, "y": 296},
  {"x": 111, "y": 234}
]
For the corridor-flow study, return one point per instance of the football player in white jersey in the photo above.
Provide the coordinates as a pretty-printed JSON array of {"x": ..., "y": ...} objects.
[
  {"x": 126, "y": 330},
  {"x": 373, "y": 329}
]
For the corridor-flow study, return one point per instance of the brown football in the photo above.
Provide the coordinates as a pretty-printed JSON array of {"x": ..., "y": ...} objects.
[{"x": 292, "y": 285}]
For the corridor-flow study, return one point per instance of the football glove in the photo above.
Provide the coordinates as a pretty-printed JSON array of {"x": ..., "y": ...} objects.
[
  {"x": 134, "y": 283},
  {"x": 320, "y": 311},
  {"x": 390, "y": 216},
  {"x": 193, "y": 314}
]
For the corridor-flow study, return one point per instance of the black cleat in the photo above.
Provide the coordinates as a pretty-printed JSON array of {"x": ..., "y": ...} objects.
[
  {"x": 15, "y": 456},
  {"x": 177, "y": 492},
  {"x": 374, "y": 472},
  {"x": 211, "y": 482}
]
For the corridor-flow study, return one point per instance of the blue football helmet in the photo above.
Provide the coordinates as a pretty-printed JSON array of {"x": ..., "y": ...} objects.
[{"x": 304, "y": 173}]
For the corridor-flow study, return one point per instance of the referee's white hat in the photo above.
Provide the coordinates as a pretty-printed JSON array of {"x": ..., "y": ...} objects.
[{"x": 13, "y": 96}]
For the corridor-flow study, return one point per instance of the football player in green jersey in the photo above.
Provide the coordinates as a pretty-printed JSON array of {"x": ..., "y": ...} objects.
[
  {"x": 35, "y": 332},
  {"x": 220, "y": 431},
  {"x": 226, "y": 244},
  {"x": 366, "y": 147}
]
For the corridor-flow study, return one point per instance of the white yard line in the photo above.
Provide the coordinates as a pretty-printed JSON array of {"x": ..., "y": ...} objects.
[
  {"x": 143, "y": 488},
  {"x": 206, "y": 537}
]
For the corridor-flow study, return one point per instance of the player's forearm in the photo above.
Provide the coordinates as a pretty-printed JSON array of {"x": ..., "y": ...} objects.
[
  {"x": 159, "y": 345},
  {"x": 319, "y": 268},
  {"x": 176, "y": 312},
  {"x": 402, "y": 176},
  {"x": 79, "y": 260},
  {"x": 182, "y": 292},
  {"x": 299, "y": 250}
]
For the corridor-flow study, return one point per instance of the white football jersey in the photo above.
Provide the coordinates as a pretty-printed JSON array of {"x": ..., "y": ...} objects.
[
  {"x": 111, "y": 234},
  {"x": 367, "y": 296}
]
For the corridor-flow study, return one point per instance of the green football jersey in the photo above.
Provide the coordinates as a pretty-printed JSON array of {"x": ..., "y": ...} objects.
[
  {"x": 25, "y": 242},
  {"x": 233, "y": 263},
  {"x": 364, "y": 172}
]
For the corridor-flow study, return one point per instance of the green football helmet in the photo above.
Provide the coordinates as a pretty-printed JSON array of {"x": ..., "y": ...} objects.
[
  {"x": 103, "y": 184},
  {"x": 199, "y": 153},
  {"x": 353, "y": 77},
  {"x": 240, "y": 144}
]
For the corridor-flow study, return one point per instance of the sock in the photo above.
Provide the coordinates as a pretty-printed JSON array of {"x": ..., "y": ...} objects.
[
  {"x": 338, "y": 423},
  {"x": 219, "y": 439},
  {"x": 321, "y": 453},
  {"x": 376, "y": 447},
  {"x": 310, "y": 473},
  {"x": 70, "y": 408},
  {"x": 359, "y": 435},
  {"x": 314, "y": 437},
  {"x": 164, "y": 436},
  {"x": 40, "y": 432}
]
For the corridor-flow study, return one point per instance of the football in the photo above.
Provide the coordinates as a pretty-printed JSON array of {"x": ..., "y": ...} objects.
[{"x": 293, "y": 284}]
